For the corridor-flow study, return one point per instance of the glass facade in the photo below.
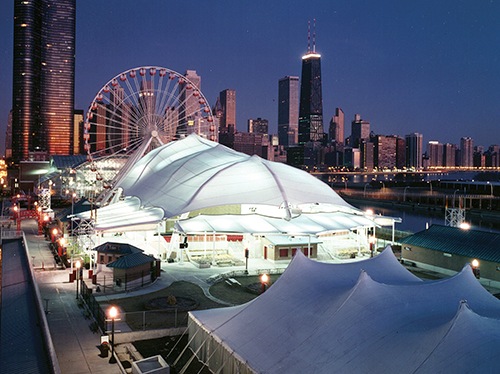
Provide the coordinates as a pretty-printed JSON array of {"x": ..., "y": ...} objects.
[
  {"x": 43, "y": 77},
  {"x": 288, "y": 110},
  {"x": 311, "y": 101},
  {"x": 26, "y": 78}
]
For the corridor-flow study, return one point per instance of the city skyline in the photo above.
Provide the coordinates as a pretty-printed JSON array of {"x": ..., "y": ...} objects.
[{"x": 403, "y": 67}]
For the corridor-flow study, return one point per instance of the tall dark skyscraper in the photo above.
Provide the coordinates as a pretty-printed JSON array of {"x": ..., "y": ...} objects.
[
  {"x": 311, "y": 101},
  {"x": 43, "y": 77},
  {"x": 228, "y": 103}
]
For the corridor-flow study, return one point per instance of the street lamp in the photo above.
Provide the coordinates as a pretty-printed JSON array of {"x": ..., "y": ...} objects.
[
  {"x": 364, "y": 189},
  {"x": 246, "y": 259},
  {"x": 404, "y": 193},
  {"x": 454, "y": 197},
  {"x": 73, "y": 195},
  {"x": 77, "y": 276},
  {"x": 113, "y": 312},
  {"x": 372, "y": 242},
  {"x": 263, "y": 280},
  {"x": 475, "y": 268},
  {"x": 464, "y": 226}
]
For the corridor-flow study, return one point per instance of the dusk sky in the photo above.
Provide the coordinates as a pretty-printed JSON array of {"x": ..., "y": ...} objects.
[{"x": 406, "y": 66}]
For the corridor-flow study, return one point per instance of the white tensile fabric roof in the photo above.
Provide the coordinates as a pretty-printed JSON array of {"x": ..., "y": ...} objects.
[
  {"x": 125, "y": 214},
  {"x": 306, "y": 224},
  {"x": 195, "y": 173},
  {"x": 371, "y": 316}
]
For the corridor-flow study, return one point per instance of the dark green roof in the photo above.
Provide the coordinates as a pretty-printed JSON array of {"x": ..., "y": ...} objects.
[
  {"x": 68, "y": 161},
  {"x": 117, "y": 248},
  {"x": 468, "y": 243},
  {"x": 131, "y": 261}
]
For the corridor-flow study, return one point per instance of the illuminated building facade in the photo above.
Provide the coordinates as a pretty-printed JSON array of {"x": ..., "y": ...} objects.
[
  {"x": 311, "y": 102},
  {"x": 336, "y": 129},
  {"x": 43, "y": 77},
  {"x": 188, "y": 103},
  {"x": 467, "y": 151},
  {"x": 288, "y": 111},
  {"x": 258, "y": 125},
  {"x": 227, "y": 122}
]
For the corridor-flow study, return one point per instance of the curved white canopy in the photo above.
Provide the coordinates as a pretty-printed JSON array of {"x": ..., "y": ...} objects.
[{"x": 195, "y": 173}]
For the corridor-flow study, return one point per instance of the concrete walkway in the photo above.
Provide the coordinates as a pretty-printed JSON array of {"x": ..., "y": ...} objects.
[{"x": 77, "y": 347}]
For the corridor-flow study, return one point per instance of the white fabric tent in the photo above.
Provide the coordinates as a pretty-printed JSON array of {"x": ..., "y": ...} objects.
[
  {"x": 195, "y": 173},
  {"x": 371, "y": 316},
  {"x": 125, "y": 215},
  {"x": 305, "y": 224}
]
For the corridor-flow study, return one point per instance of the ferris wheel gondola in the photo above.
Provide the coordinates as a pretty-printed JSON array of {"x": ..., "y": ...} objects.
[{"x": 136, "y": 111}]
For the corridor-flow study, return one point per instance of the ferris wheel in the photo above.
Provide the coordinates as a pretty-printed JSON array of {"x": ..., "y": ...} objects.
[{"x": 137, "y": 111}]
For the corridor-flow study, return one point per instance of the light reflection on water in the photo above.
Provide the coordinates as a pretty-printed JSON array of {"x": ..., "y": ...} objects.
[{"x": 416, "y": 221}]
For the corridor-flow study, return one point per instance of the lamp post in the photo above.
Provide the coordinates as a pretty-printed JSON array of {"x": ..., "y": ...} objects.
[
  {"x": 404, "y": 193},
  {"x": 364, "y": 189},
  {"x": 113, "y": 312},
  {"x": 73, "y": 195},
  {"x": 372, "y": 242},
  {"x": 475, "y": 268},
  {"x": 246, "y": 259},
  {"x": 263, "y": 280},
  {"x": 454, "y": 192},
  {"x": 77, "y": 276}
]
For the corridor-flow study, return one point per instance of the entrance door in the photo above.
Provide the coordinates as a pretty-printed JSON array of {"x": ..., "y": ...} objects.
[{"x": 265, "y": 252}]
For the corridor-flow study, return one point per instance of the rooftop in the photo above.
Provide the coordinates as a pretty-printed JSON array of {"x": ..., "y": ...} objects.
[{"x": 469, "y": 243}]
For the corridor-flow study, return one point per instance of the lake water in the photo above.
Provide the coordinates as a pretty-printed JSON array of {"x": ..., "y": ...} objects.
[{"x": 415, "y": 221}]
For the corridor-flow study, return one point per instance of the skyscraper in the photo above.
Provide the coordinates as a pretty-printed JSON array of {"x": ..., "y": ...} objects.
[
  {"x": 288, "y": 110},
  {"x": 414, "y": 150},
  {"x": 43, "y": 77},
  {"x": 188, "y": 103},
  {"x": 385, "y": 151},
  {"x": 435, "y": 153},
  {"x": 336, "y": 129},
  {"x": 311, "y": 102},
  {"x": 467, "y": 151},
  {"x": 449, "y": 155},
  {"x": 228, "y": 103},
  {"x": 360, "y": 131}
]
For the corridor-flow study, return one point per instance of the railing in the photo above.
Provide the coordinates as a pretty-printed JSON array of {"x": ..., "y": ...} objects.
[
  {"x": 94, "y": 307},
  {"x": 9, "y": 233},
  {"x": 155, "y": 319},
  {"x": 238, "y": 273}
]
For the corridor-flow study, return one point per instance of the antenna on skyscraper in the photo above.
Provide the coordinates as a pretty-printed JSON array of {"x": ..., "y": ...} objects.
[
  {"x": 314, "y": 36},
  {"x": 308, "y": 36}
]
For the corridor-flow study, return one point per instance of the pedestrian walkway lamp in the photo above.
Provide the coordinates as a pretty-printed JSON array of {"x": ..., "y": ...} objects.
[
  {"x": 372, "y": 242},
  {"x": 475, "y": 268},
  {"x": 77, "y": 276},
  {"x": 246, "y": 259},
  {"x": 113, "y": 312},
  {"x": 263, "y": 280}
]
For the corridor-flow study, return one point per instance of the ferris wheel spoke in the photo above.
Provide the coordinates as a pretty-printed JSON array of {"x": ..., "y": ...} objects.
[
  {"x": 167, "y": 97},
  {"x": 137, "y": 111},
  {"x": 113, "y": 147}
]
